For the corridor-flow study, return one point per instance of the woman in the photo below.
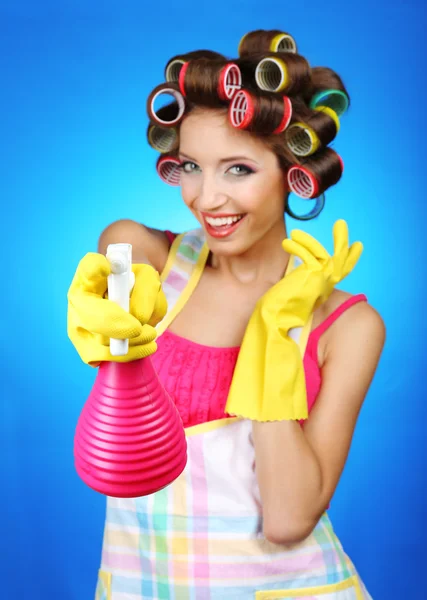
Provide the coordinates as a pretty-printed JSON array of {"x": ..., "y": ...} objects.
[{"x": 267, "y": 364}]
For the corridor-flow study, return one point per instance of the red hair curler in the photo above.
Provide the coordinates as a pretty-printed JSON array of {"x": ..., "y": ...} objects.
[
  {"x": 320, "y": 172},
  {"x": 303, "y": 182},
  {"x": 169, "y": 170},
  {"x": 228, "y": 80},
  {"x": 287, "y": 115},
  {"x": 241, "y": 109},
  {"x": 244, "y": 111}
]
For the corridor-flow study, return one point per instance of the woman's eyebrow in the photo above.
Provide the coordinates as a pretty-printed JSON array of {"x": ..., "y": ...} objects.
[{"x": 223, "y": 160}]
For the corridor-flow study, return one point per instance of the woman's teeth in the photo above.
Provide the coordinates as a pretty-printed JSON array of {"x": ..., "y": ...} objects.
[{"x": 221, "y": 221}]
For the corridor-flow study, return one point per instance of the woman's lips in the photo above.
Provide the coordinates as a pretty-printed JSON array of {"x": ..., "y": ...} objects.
[{"x": 222, "y": 231}]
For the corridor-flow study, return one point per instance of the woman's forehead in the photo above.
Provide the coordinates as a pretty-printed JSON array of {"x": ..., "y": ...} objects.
[{"x": 210, "y": 131}]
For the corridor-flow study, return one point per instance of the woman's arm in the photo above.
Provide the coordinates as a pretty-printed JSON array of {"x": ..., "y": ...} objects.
[
  {"x": 149, "y": 246},
  {"x": 299, "y": 469}
]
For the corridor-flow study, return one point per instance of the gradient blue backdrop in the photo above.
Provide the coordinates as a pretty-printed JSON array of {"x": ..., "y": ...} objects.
[{"x": 75, "y": 77}]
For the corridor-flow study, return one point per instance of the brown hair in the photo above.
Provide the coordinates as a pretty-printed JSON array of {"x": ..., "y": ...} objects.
[{"x": 270, "y": 69}]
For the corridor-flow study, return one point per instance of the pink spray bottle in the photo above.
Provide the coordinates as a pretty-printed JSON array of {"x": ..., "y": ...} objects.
[{"x": 129, "y": 440}]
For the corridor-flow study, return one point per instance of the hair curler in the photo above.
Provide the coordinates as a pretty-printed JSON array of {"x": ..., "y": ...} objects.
[
  {"x": 258, "y": 42},
  {"x": 283, "y": 42},
  {"x": 312, "y": 179},
  {"x": 337, "y": 100},
  {"x": 162, "y": 139},
  {"x": 227, "y": 79},
  {"x": 169, "y": 170},
  {"x": 303, "y": 182},
  {"x": 230, "y": 81},
  {"x": 173, "y": 69},
  {"x": 319, "y": 204},
  {"x": 243, "y": 111},
  {"x": 280, "y": 73},
  {"x": 271, "y": 74},
  {"x": 307, "y": 136},
  {"x": 169, "y": 89}
]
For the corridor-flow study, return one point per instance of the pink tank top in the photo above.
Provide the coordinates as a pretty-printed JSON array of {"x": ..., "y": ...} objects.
[{"x": 198, "y": 377}]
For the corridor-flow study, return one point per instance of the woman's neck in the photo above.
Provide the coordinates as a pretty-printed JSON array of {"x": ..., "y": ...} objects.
[{"x": 264, "y": 262}]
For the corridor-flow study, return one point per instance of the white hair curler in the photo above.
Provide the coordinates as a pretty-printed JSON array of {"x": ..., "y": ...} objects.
[{"x": 169, "y": 89}]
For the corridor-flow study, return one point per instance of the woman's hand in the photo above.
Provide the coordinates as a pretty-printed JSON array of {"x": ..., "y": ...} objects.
[
  {"x": 330, "y": 270},
  {"x": 93, "y": 319},
  {"x": 269, "y": 380}
]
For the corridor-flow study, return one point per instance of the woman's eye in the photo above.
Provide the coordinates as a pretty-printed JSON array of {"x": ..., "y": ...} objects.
[
  {"x": 237, "y": 170},
  {"x": 240, "y": 170},
  {"x": 188, "y": 167}
]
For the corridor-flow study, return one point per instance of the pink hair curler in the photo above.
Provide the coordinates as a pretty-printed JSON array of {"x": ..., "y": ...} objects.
[
  {"x": 129, "y": 440},
  {"x": 169, "y": 170},
  {"x": 302, "y": 182},
  {"x": 287, "y": 115},
  {"x": 181, "y": 78},
  {"x": 241, "y": 109},
  {"x": 230, "y": 81}
]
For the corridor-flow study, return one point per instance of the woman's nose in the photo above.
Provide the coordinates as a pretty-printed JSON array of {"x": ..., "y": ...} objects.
[{"x": 211, "y": 197}]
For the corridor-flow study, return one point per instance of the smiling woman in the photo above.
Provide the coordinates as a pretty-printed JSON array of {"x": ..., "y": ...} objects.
[
  {"x": 267, "y": 364},
  {"x": 231, "y": 176}
]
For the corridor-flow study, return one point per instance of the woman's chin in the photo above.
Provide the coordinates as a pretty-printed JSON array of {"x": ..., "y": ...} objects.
[{"x": 229, "y": 247}]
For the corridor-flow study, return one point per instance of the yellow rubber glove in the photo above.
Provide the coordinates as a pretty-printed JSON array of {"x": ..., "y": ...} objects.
[
  {"x": 269, "y": 381},
  {"x": 93, "y": 319}
]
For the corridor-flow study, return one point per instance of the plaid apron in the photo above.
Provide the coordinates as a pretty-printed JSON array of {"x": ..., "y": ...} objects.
[{"x": 201, "y": 537}]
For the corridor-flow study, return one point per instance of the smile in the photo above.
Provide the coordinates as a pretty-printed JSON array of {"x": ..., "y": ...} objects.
[{"x": 220, "y": 226}]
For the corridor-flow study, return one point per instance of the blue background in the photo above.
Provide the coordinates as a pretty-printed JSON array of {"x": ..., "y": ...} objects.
[{"x": 75, "y": 77}]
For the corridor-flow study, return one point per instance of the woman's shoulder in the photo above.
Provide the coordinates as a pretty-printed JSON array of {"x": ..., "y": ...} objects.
[
  {"x": 360, "y": 319},
  {"x": 339, "y": 299},
  {"x": 149, "y": 245}
]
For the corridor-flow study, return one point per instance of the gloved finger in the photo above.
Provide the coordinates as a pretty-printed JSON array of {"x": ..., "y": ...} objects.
[
  {"x": 144, "y": 298},
  {"x": 91, "y": 274},
  {"x": 353, "y": 257},
  {"x": 340, "y": 234},
  {"x": 292, "y": 247},
  {"x": 160, "y": 308},
  {"x": 310, "y": 243},
  {"x": 99, "y": 315},
  {"x": 147, "y": 335}
]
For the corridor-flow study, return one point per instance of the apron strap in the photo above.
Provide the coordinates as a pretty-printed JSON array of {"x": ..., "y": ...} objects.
[{"x": 183, "y": 269}]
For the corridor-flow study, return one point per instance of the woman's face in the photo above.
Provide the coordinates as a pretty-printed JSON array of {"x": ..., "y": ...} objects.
[{"x": 231, "y": 182}]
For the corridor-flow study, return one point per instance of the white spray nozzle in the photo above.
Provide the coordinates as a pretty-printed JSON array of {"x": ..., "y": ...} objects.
[
  {"x": 117, "y": 263},
  {"x": 120, "y": 257},
  {"x": 120, "y": 283}
]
